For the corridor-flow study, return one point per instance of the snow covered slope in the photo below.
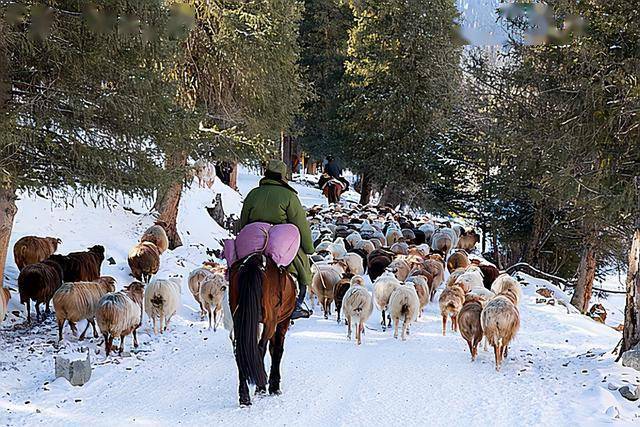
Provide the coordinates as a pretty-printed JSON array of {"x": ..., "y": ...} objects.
[{"x": 558, "y": 372}]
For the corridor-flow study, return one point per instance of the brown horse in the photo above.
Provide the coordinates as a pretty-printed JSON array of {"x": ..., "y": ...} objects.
[
  {"x": 260, "y": 292},
  {"x": 332, "y": 191}
]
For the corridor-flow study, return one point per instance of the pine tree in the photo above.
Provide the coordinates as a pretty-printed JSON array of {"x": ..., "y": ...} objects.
[
  {"x": 80, "y": 99},
  {"x": 239, "y": 73},
  {"x": 324, "y": 33},
  {"x": 401, "y": 80}
]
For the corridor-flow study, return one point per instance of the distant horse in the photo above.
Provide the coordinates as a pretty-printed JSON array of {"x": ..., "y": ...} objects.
[
  {"x": 260, "y": 292},
  {"x": 332, "y": 188}
]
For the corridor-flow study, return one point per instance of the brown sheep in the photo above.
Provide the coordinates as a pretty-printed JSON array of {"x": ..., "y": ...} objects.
[
  {"x": 458, "y": 260},
  {"x": 157, "y": 235},
  {"x": 451, "y": 300},
  {"x": 436, "y": 268},
  {"x": 376, "y": 265},
  {"x": 75, "y": 301},
  {"x": 339, "y": 290},
  {"x": 144, "y": 261},
  {"x": 81, "y": 266},
  {"x": 213, "y": 291},
  {"x": 489, "y": 274},
  {"x": 469, "y": 323},
  {"x": 38, "y": 282},
  {"x": 32, "y": 249},
  {"x": 119, "y": 314},
  {"x": 500, "y": 321}
]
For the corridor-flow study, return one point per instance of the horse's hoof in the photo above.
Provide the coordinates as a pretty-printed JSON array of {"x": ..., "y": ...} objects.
[
  {"x": 245, "y": 403},
  {"x": 261, "y": 391},
  {"x": 276, "y": 392}
]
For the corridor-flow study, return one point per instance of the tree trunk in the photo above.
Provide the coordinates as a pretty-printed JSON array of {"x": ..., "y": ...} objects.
[
  {"x": 365, "y": 189},
  {"x": 586, "y": 275},
  {"x": 8, "y": 212},
  {"x": 233, "y": 176},
  {"x": 391, "y": 196},
  {"x": 228, "y": 173},
  {"x": 631, "y": 333},
  {"x": 532, "y": 254},
  {"x": 168, "y": 198},
  {"x": 312, "y": 167}
]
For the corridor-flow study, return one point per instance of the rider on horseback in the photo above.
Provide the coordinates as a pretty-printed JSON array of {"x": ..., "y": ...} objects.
[{"x": 276, "y": 202}]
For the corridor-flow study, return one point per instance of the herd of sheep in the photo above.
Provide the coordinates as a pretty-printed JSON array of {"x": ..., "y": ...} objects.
[
  {"x": 74, "y": 284},
  {"x": 406, "y": 260}
]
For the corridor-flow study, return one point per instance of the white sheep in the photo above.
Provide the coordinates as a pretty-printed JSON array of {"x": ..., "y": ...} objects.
[
  {"x": 353, "y": 262},
  {"x": 404, "y": 305},
  {"x": 161, "y": 301},
  {"x": 119, "y": 314},
  {"x": 212, "y": 293},
  {"x": 504, "y": 283},
  {"x": 470, "y": 279},
  {"x": 353, "y": 238},
  {"x": 383, "y": 287},
  {"x": 357, "y": 307}
]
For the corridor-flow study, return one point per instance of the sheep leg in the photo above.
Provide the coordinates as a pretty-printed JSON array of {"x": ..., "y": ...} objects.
[
  {"x": 28, "y": 307},
  {"x": 37, "y": 311},
  {"x": 215, "y": 320},
  {"x": 505, "y": 353},
  {"x": 135, "y": 338},
  {"x": 388, "y": 321},
  {"x": 396, "y": 321},
  {"x": 276, "y": 348},
  {"x": 121, "y": 345},
  {"x": 47, "y": 310},
  {"x": 405, "y": 326},
  {"x": 384, "y": 322},
  {"x": 444, "y": 325},
  {"x": 209, "y": 313},
  {"x": 110, "y": 344},
  {"x": 360, "y": 330},
  {"x": 470, "y": 349},
  {"x": 106, "y": 343},
  {"x": 497, "y": 352},
  {"x": 454, "y": 323},
  {"x": 82, "y": 335},
  {"x": 60, "y": 326},
  {"x": 348, "y": 320},
  {"x": 202, "y": 311},
  {"x": 338, "y": 308},
  {"x": 155, "y": 327},
  {"x": 324, "y": 308},
  {"x": 93, "y": 326},
  {"x": 485, "y": 348}
]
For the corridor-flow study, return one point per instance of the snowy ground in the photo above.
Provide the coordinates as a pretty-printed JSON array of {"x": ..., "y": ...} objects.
[{"x": 559, "y": 369}]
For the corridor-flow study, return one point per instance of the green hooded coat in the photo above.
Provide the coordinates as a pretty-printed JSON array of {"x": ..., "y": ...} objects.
[{"x": 276, "y": 202}]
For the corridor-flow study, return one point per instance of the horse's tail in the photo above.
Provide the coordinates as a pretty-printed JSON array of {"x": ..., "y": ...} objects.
[{"x": 245, "y": 321}]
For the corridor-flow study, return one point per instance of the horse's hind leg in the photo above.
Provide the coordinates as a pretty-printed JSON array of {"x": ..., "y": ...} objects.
[
  {"x": 276, "y": 349},
  {"x": 243, "y": 390},
  {"x": 262, "y": 347}
]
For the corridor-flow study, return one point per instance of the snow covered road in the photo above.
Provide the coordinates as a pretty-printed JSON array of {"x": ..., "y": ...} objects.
[{"x": 558, "y": 370}]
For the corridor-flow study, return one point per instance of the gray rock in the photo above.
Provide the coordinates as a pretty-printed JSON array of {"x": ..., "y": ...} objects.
[
  {"x": 631, "y": 359},
  {"x": 76, "y": 370},
  {"x": 631, "y": 393}
]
